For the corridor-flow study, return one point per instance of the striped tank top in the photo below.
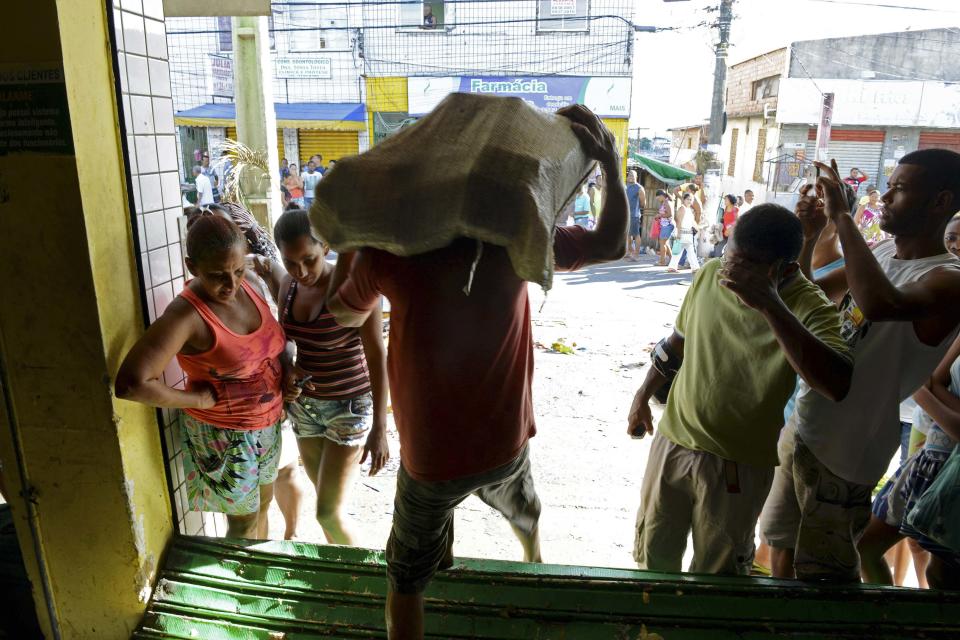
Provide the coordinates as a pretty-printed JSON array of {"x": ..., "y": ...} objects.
[{"x": 331, "y": 353}]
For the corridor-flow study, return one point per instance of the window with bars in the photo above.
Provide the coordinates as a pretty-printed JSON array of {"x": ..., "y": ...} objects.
[
  {"x": 225, "y": 34},
  {"x": 563, "y": 15},
  {"x": 425, "y": 16},
  {"x": 305, "y": 18},
  {"x": 765, "y": 88}
]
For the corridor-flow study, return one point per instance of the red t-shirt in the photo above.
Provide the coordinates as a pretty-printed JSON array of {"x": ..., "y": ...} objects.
[
  {"x": 460, "y": 366},
  {"x": 729, "y": 219}
]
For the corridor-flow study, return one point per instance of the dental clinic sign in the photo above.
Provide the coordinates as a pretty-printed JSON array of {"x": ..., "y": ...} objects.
[{"x": 607, "y": 97}]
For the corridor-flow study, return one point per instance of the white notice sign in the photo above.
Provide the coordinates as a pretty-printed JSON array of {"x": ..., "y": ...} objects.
[
  {"x": 303, "y": 67},
  {"x": 563, "y": 7}
]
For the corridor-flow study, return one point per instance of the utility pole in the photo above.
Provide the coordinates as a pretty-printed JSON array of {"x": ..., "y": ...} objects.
[
  {"x": 712, "y": 177},
  {"x": 720, "y": 74}
]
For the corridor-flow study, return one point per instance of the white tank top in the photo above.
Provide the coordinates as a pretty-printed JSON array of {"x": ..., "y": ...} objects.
[
  {"x": 856, "y": 438},
  {"x": 687, "y": 223}
]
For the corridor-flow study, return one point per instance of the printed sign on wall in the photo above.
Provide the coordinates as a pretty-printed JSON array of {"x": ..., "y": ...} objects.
[{"x": 303, "y": 67}]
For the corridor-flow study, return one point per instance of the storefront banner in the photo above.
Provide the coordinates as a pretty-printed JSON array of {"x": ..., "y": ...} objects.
[
  {"x": 303, "y": 67},
  {"x": 220, "y": 76},
  {"x": 607, "y": 97}
]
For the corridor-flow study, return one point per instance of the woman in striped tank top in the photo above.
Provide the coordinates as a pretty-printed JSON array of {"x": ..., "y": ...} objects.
[{"x": 339, "y": 413}]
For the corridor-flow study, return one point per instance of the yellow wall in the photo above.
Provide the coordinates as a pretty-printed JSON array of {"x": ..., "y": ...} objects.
[
  {"x": 621, "y": 131},
  {"x": 71, "y": 310}
]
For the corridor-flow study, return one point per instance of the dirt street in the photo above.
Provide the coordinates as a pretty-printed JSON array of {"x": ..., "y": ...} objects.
[{"x": 587, "y": 470}]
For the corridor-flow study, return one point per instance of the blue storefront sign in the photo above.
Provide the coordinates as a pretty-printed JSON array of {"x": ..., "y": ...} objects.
[{"x": 608, "y": 97}]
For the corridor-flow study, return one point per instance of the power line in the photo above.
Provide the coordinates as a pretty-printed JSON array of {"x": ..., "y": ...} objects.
[{"x": 884, "y": 6}]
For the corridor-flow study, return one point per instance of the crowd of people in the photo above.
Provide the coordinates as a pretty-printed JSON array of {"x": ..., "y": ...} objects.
[{"x": 798, "y": 306}]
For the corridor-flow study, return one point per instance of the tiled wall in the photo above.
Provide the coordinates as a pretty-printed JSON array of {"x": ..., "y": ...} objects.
[{"x": 147, "y": 106}]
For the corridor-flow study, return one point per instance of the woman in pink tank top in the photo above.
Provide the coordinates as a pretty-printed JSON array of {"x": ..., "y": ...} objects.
[{"x": 229, "y": 345}]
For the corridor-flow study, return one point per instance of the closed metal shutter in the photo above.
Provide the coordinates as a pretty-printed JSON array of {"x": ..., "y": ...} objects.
[
  {"x": 332, "y": 145},
  {"x": 281, "y": 148},
  {"x": 940, "y": 140},
  {"x": 861, "y": 148}
]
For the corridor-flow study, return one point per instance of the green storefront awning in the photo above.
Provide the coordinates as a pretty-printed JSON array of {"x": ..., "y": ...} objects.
[{"x": 663, "y": 171}]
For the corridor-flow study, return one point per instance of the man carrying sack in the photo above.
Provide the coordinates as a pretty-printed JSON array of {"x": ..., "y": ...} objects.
[{"x": 461, "y": 367}]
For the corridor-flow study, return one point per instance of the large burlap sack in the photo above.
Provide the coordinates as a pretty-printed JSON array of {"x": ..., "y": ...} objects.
[{"x": 493, "y": 169}]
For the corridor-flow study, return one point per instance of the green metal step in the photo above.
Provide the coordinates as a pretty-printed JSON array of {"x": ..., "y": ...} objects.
[{"x": 214, "y": 589}]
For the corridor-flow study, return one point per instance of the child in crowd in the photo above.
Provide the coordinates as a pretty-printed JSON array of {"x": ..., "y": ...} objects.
[
  {"x": 713, "y": 458},
  {"x": 938, "y": 415},
  {"x": 221, "y": 331},
  {"x": 338, "y": 387}
]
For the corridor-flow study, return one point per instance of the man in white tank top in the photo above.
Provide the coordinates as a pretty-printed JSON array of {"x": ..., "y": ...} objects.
[{"x": 900, "y": 316}]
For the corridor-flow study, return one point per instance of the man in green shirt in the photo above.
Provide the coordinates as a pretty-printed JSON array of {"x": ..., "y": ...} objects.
[{"x": 748, "y": 326}]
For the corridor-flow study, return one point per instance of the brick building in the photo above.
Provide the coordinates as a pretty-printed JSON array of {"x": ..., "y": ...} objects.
[{"x": 881, "y": 112}]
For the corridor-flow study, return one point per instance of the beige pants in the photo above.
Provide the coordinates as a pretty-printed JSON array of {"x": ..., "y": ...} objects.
[
  {"x": 818, "y": 514},
  {"x": 718, "y": 499}
]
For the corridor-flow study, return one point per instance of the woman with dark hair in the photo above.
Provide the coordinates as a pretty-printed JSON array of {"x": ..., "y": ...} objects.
[
  {"x": 339, "y": 414},
  {"x": 294, "y": 185},
  {"x": 730, "y": 214},
  {"x": 266, "y": 263},
  {"x": 229, "y": 345},
  {"x": 665, "y": 217}
]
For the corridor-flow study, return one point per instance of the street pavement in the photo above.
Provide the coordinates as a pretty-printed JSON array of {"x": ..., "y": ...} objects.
[{"x": 586, "y": 468}]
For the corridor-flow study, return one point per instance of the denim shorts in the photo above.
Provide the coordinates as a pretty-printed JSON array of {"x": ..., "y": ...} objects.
[{"x": 345, "y": 422}]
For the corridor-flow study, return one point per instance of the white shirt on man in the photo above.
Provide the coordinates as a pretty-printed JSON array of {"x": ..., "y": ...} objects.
[
  {"x": 204, "y": 190},
  {"x": 856, "y": 437}
]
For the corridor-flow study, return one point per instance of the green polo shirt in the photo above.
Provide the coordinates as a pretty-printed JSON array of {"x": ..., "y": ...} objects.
[{"x": 729, "y": 395}]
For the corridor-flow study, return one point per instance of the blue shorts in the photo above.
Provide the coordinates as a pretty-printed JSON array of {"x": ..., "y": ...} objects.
[
  {"x": 666, "y": 230},
  {"x": 344, "y": 422},
  {"x": 634, "y": 226}
]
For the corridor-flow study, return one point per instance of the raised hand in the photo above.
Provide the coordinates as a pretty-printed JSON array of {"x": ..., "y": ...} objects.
[{"x": 598, "y": 143}]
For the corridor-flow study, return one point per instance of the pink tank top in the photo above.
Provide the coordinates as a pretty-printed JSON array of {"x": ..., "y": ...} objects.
[{"x": 244, "y": 371}]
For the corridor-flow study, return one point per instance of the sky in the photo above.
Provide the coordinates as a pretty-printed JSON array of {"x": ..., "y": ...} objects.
[{"x": 673, "y": 70}]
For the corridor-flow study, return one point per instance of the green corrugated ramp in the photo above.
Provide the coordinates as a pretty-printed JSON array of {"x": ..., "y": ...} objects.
[{"x": 211, "y": 589}]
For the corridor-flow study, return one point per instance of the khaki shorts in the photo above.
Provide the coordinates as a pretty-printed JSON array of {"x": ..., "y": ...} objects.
[
  {"x": 816, "y": 513},
  {"x": 719, "y": 500},
  {"x": 421, "y": 540}
]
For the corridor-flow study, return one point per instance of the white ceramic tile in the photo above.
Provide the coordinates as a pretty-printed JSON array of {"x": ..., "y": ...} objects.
[
  {"x": 159, "y": 77},
  {"x": 163, "y": 115},
  {"x": 118, "y": 29},
  {"x": 178, "y": 285},
  {"x": 146, "y": 268},
  {"x": 127, "y": 118},
  {"x": 138, "y": 74},
  {"x": 132, "y": 5},
  {"x": 150, "y": 192},
  {"x": 137, "y": 204},
  {"x": 141, "y": 113},
  {"x": 176, "y": 260},
  {"x": 151, "y": 307},
  {"x": 162, "y": 296},
  {"x": 132, "y": 151},
  {"x": 159, "y": 266},
  {"x": 153, "y": 9},
  {"x": 134, "y": 39},
  {"x": 173, "y": 224},
  {"x": 141, "y": 233},
  {"x": 122, "y": 70},
  {"x": 171, "y": 190},
  {"x": 146, "y": 154},
  {"x": 167, "y": 153},
  {"x": 156, "y": 39},
  {"x": 156, "y": 231}
]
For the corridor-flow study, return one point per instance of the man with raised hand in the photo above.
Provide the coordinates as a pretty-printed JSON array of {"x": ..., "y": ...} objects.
[{"x": 899, "y": 318}]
